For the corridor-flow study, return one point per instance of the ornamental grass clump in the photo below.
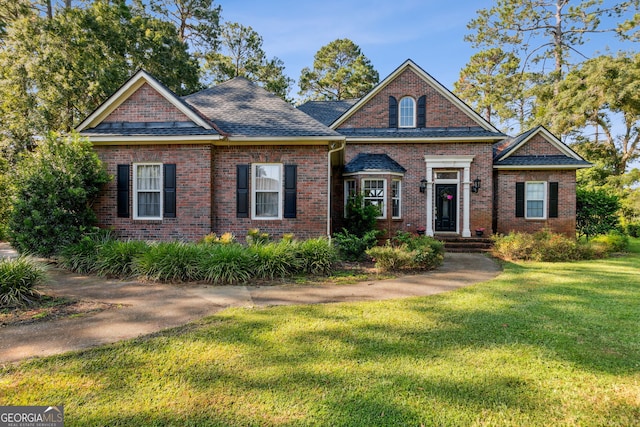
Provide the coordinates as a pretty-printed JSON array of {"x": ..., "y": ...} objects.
[
  {"x": 18, "y": 279},
  {"x": 317, "y": 256},
  {"x": 170, "y": 262},
  {"x": 226, "y": 264},
  {"x": 82, "y": 256},
  {"x": 117, "y": 258},
  {"x": 275, "y": 259}
]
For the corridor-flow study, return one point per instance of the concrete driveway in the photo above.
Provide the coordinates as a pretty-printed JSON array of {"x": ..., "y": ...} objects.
[{"x": 145, "y": 308}]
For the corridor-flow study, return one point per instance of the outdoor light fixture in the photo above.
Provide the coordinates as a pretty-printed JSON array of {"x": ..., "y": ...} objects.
[
  {"x": 476, "y": 185},
  {"x": 423, "y": 185}
]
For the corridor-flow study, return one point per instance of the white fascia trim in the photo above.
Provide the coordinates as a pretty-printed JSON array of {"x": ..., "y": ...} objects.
[
  {"x": 126, "y": 90},
  {"x": 448, "y": 161},
  {"x": 433, "y": 82},
  {"x": 542, "y": 167},
  {"x": 147, "y": 140},
  {"x": 489, "y": 139},
  {"x": 289, "y": 140}
]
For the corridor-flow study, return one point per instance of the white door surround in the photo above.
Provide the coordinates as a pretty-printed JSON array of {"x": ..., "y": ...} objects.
[{"x": 449, "y": 162}]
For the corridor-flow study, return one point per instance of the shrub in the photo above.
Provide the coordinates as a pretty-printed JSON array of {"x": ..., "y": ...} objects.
[
  {"x": 360, "y": 219},
  {"x": 317, "y": 256},
  {"x": 541, "y": 246},
  {"x": 596, "y": 212},
  {"x": 117, "y": 258},
  {"x": 611, "y": 242},
  {"x": 170, "y": 262},
  {"x": 632, "y": 229},
  {"x": 229, "y": 263},
  {"x": 82, "y": 256},
  {"x": 391, "y": 258},
  {"x": 55, "y": 186},
  {"x": 274, "y": 259},
  {"x": 6, "y": 195},
  {"x": 406, "y": 251},
  {"x": 18, "y": 278},
  {"x": 352, "y": 247}
]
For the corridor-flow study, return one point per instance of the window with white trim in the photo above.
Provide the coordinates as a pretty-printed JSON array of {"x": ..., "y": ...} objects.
[
  {"x": 349, "y": 191},
  {"x": 396, "y": 197},
  {"x": 374, "y": 193},
  {"x": 147, "y": 191},
  {"x": 267, "y": 190},
  {"x": 535, "y": 200},
  {"x": 407, "y": 112}
]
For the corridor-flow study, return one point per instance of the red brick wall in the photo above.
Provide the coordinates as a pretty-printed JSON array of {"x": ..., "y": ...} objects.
[
  {"x": 146, "y": 105},
  {"x": 193, "y": 168},
  {"x": 411, "y": 157},
  {"x": 440, "y": 111},
  {"x": 537, "y": 146},
  {"x": 311, "y": 220},
  {"x": 506, "y": 204}
]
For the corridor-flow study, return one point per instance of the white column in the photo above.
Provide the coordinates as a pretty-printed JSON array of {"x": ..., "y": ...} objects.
[
  {"x": 466, "y": 196},
  {"x": 429, "y": 225}
]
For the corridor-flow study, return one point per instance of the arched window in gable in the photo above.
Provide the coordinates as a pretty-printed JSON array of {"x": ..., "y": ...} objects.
[{"x": 407, "y": 112}]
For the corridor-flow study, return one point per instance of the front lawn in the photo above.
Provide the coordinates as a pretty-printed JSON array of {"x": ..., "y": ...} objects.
[{"x": 543, "y": 344}]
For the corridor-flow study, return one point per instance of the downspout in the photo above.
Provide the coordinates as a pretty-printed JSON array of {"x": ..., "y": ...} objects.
[{"x": 331, "y": 151}]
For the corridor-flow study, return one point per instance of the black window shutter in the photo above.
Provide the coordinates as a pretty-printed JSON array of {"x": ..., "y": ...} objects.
[
  {"x": 553, "y": 200},
  {"x": 123, "y": 191},
  {"x": 290, "y": 187},
  {"x": 519, "y": 199},
  {"x": 242, "y": 191},
  {"x": 422, "y": 111},
  {"x": 393, "y": 112},
  {"x": 170, "y": 191}
]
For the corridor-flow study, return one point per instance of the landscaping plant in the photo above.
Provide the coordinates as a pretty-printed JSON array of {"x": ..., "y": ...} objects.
[
  {"x": 18, "y": 279},
  {"x": 408, "y": 252},
  {"x": 226, "y": 264},
  {"x": 170, "y": 262},
  {"x": 55, "y": 186},
  {"x": 317, "y": 256}
]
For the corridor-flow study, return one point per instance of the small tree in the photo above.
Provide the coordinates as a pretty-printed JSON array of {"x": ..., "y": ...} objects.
[
  {"x": 55, "y": 186},
  {"x": 596, "y": 213},
  {"x": 360, "y": 218},
  {"x": 6, "y": 193}
]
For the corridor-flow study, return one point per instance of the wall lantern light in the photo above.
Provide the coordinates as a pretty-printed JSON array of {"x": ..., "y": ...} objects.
[
  {"x": 476, "y": 185},
  {"x": 423, "y": 185}
]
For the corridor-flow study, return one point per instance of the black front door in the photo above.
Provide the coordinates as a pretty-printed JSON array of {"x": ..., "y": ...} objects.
[{"x": 446, "y": 207}]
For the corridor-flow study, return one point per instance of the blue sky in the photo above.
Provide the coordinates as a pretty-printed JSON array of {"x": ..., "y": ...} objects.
[{"x": 430, "y": 32}]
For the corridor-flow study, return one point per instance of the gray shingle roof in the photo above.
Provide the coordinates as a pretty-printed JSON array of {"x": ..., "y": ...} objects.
[
  {"x": 148, "y": 128},
  {"x": 373, "y": 162},
  {"x": 434, "y": 132},
  {"x": 557, "y": 160},
  {"x": 327, "y": 112},
  {"x": 244, "y": 109},
  {"x": 502, "y": 148}
]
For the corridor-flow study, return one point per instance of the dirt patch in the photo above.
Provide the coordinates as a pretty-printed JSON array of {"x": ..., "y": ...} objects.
[{"x": 49, "y": 308}]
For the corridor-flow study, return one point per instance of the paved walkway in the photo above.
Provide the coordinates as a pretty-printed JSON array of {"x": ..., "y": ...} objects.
[{"x": 145, "y": 308}]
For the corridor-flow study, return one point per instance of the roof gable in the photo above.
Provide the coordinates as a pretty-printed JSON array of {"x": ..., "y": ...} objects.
[
  {"x": 143, "y": 87},
  {"x": 444, "y": 99},
  {"x": 536, "y": 148}
]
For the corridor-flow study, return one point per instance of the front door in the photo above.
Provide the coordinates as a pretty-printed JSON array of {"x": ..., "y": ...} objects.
[{"x": 446, "y": 207}]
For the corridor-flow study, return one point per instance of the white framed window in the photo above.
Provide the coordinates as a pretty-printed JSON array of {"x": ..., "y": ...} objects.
[
  {"x": 349, "y": 191},
  {"x": 266, "y": 182},
  {"x": 375, "y": 193},
  {"x": 147, "y": 191},
  {"x": 535, "y": 200},
  {"x": 396, "y": 197},
  {"x": 407, "y": 112}
]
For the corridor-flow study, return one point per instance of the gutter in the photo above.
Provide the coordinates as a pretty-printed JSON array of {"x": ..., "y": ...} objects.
[{"x": 331, "y": 151}]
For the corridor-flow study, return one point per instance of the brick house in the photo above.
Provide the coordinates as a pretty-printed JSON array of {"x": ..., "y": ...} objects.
[{"x": 234, "y": 157}]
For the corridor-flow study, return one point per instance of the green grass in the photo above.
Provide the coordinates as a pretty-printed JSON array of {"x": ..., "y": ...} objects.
[{"x": 543, "y": 344}]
